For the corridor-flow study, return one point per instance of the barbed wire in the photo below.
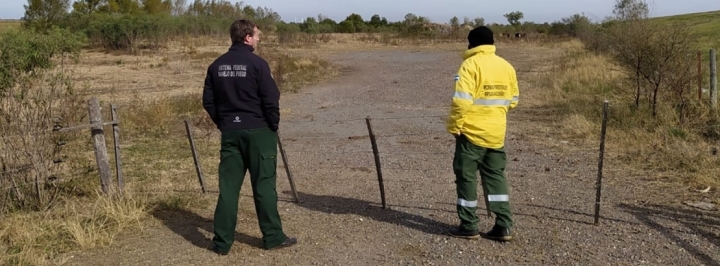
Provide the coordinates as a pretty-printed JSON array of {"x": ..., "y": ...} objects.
[
  {"x": 372, "y": 118},
  {"x": 17, "y": 170},
  {"x": 395, "y": 170},
  {"x": 413, "y": 134},
  {"x": 51, "y": 179},
  {"x": 57, "y": 128},
  {"x": 385, "y": 166},
  {"x": 412, "y": 153},
  {"x": 386, "y": 181},
  {"x": 296, "y": 138}
]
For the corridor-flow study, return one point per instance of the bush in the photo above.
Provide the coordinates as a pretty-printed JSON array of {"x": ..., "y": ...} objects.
[
  {"x": 653, "y": 56},
  {"x": 36, "y": 96},
  {"x": 24, "y": 52}
]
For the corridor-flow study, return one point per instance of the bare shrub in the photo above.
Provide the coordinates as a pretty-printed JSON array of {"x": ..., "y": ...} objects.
[
  {"x": 37, "y": 98},
  {"x": 653, "y": 55}
]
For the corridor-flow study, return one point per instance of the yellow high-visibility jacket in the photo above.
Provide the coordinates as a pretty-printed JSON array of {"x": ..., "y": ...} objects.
[{"x": 486, "y": 88}]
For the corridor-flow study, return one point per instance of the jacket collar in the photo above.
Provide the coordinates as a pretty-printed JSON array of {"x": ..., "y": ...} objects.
[
  {"x": 241, "y": 47},
  {"x": 482, "y": 49}
]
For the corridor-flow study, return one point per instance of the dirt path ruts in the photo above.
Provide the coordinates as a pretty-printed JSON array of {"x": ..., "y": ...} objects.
[{"x": 339, "y": 220}]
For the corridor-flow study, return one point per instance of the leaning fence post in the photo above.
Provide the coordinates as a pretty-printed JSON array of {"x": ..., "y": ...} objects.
[
  {"x": 195, "y": 156},
  {"x": 116, "y": 137},
  {"x": 373, "y": 141},
  {"x": 287, "y": 170},
  {"x": 101, "y": 156},
  {"x": 600, "y": 162}
]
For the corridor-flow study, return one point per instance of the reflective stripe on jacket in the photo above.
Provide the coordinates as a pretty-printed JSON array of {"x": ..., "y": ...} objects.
[{"x": 485, "y": 89}]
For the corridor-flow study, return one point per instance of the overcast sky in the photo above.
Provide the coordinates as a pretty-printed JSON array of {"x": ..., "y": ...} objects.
[{"x": 441, "y": 11}]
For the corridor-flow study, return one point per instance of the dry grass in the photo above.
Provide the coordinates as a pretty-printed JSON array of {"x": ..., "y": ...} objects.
[
  {"x": 661, "y": 147},
  {"x": 156, "y": 90},
  {"x": 37, "y": 238},
  {"x": 9, "y": 24}
]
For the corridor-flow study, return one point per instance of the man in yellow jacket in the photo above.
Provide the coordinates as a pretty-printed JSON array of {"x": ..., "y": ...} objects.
[{"x": 486, "y": 89}]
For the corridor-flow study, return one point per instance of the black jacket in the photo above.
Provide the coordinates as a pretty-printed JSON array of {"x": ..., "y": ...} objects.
[{"x": 240, "y": 92}]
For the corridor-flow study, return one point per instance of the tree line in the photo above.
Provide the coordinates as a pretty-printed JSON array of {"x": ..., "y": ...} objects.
[
  {"x": 127, "y": 24},
  {"x": 121, "y": 24}
]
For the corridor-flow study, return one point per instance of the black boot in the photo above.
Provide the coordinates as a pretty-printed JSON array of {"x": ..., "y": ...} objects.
[
  {"x": 460, "y": 232},
  {"x": 218, "y": 251},
  {"x": 500, "y": 233},
  {"x": 290, "y": 241}
]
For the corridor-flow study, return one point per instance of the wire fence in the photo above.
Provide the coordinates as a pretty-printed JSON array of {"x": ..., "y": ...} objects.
[
  {"x": 371, "y": 149},
  {"x": 380, "y": 150},
  {"x": 35, "y": 160}
]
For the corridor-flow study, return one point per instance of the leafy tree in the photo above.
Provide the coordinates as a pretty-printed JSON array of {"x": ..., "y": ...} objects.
[
  {"x": 87, "y": 6},
  {"x": 514, "y": 18},
  {"x": 479, "y": 22},
  {"x": 346, "y": 26},
  {"x": 157, "y": 6},
  {"x": 40, "y": 15},
  {"x": 631, "y": 10},
  {"x": 23, "y": 52}
]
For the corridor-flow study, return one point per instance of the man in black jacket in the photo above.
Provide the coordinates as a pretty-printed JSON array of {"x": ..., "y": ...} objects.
[{"x": 241, "y": 97}]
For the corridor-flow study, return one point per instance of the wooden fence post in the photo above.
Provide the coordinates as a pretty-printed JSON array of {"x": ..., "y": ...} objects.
[
  {"x": 700, "y": 75},
  {"x": 598, "y": 184},
  {"x": 713, "y": 78},
  {"x": 116, "y": 137},
  {"x": 101, "y": 156},
  {"x": 376, "y": 153},
  {"x": 287, "y": 170},
  {"x": 198, "y": 169}
]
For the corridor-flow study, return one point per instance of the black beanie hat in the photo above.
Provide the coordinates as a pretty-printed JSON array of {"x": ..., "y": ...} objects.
[{"x": 480, "y": 36}]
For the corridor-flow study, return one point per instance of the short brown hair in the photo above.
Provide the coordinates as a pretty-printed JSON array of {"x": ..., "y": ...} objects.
[{"x": 241, "y": 28}]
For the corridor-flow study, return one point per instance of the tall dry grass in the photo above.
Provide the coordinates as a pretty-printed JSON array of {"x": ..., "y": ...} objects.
[
  {"x": 37, "y": 238},
  {"x": 157, "y": 163},
  {"x": 665, "y": 146}
]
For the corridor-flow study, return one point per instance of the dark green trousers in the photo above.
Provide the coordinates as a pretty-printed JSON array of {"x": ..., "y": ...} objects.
[
  {"x": 470, "y": 158},
  {"x": 253, "y": 150}
]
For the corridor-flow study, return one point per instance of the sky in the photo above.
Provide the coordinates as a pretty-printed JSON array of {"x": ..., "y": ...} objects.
[{"x": 441, "y": 11}]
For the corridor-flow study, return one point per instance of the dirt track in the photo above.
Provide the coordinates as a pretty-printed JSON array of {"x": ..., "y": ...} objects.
[{"x": 339, "y": 221}]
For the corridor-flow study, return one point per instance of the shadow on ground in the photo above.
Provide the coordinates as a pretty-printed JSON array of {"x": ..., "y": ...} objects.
[
  {"x": 703, "y": 224},
  {"x": 589, "y": 221},
  {"x": 371, "y": 210},
  {"x": 190, "y": 226}
]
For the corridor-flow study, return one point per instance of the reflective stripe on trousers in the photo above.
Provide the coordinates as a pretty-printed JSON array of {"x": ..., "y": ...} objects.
[{"x": 466, "y": 203}]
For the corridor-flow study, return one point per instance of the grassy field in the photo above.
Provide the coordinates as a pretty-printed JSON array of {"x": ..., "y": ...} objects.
[
  {"x": 165, "y": 88},
  {"x": 9, "y": 24},
  {"x": 666, "y": 147},
  {"x": 705, "y": 27}
]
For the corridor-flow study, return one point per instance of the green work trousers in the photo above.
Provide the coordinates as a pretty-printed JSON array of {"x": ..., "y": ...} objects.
[
  {"x": 469, "y": 158},
  {"x": 253, "y": 150}
]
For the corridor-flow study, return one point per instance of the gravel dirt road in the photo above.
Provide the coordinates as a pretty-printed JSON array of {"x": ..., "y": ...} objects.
[{"x": 406, "y": 93}]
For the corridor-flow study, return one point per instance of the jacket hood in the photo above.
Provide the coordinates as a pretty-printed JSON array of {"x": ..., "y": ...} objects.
[{"x": 482, "y": 49}]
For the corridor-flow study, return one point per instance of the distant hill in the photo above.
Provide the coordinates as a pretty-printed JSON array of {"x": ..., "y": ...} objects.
[{"x": 705, "y": 26}]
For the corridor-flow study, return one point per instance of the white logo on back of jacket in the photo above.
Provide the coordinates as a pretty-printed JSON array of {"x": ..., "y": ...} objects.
[
  {"x": 232, "y": 71},
  {"x": 237, "y": 120}
]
